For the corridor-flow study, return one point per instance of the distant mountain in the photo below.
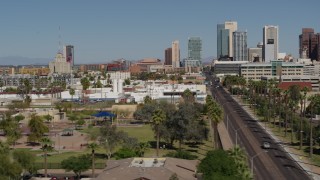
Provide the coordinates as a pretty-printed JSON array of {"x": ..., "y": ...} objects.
[
  {"x": 18, "y": 60},
  {"x": 208, "y": 59}
]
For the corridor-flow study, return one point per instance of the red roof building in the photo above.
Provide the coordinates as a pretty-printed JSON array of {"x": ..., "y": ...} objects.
[{"x": 286, "y": 85}]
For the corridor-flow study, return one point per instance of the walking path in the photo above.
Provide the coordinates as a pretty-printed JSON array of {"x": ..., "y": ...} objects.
[{"x": 299, "y": 157}]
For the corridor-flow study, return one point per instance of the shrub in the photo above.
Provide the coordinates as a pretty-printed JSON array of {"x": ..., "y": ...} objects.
[
  {"x": 125, "y": 153},
  {"x": 182, "y": 155}
]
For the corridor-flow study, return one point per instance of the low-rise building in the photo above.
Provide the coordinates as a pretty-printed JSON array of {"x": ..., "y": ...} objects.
[{"x": 254, "y": 71}]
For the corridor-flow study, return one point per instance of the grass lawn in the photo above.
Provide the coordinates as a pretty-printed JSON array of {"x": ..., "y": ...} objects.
[{"x": 143, "y": 133}]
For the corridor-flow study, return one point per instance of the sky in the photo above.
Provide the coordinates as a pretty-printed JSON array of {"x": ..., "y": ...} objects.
[{"x": 105, "y": 30}]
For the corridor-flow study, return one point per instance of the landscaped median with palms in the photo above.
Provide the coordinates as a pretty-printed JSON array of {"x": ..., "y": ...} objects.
[{"x": 288, "y": 111}]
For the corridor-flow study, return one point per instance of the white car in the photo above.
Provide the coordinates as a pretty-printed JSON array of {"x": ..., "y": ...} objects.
[{"x": 266, "y": 145}]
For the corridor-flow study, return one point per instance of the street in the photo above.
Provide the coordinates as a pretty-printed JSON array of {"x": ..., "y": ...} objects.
[{"x": 270, "y": 163}]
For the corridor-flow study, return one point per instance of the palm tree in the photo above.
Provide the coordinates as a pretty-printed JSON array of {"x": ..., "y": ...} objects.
[
  {"x": 215, "y": 113},
  {"x": 285, "y": 101},
  {"x": 158, "y": 118},
  {"x": 188, "y": 96},
  {"x": 93, "y": 146},
  {"x": 46, "y": 145},
  {"x": 302, "y": 111},
  {"x": 72, "y": 92}
]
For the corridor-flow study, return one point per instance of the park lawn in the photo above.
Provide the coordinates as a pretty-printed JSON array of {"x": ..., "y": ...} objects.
[
  {"x": 143, "y": 133},
  {"x": 58, "y": 158}
]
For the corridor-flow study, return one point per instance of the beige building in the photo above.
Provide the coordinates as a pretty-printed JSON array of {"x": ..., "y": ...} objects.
[
  {"x": 232, "y": 26},
  {"x": 59, "y": 65},
  {"x": 255, "y": 71},
  {"x": 175, "y": 54}
]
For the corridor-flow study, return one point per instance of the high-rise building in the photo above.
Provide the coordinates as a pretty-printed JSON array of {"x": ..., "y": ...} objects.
[
  {"x": 225, "y": 39},
  {"x": 194, "y": 52},
  {"x": 270, "y": 43},
  {"x": 240, "y": 50},
  {"x": 168, "y": 56},
  {"x": 68, "y": 52},
  {"x": 309, "y": 44},
  {"x": 175, "y": 54}
]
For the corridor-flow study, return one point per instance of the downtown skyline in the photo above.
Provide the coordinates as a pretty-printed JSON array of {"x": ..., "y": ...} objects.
[{"x": 103, "y": 31}]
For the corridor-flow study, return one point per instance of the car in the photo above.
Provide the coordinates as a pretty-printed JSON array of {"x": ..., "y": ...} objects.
[{"x": 266, "y": 145}]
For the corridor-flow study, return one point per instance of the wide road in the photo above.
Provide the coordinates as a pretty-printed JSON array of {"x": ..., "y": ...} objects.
[{"x": 269, "y": 164}]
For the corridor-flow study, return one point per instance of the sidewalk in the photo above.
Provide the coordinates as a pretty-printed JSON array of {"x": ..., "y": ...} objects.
[{"x": 304, "y": 162}]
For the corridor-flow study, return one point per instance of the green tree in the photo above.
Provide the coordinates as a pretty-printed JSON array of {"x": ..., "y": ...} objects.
[
  {"x": 158, "y": 118},
  {"x": 37, "y": 128},
  {"x": 85, "y": 83},
  {"x": 11, "y": 129},
  {"x": 77, "y": 164},
  {"x": 48, "y": 117},
  {"x": 72, "y": 92},
  {"x": 110, "y": 138},
  {"x": 127, "y": 81},
  {"x": 25, "y": 158},
  {"x": 218, "y": 165}
]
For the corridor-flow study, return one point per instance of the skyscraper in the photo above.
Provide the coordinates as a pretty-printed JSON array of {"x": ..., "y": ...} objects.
[
  {"x": 68, "y": 52},
  {"x": 194, "y": 52},
  {"x": 309, "y": 44},
  {"x": 240, "y": 50},
  {"x": 270, "y": 43},
  {"x": 225, "y": 38},
  {"x": 175, "y": 54},
  {"x": 168, "y": 56}
]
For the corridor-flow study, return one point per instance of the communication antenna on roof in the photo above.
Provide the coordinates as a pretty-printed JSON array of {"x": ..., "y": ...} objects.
[{"x": 59, "y": 48}]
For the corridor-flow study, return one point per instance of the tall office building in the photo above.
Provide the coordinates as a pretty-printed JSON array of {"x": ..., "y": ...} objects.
[
  {"x": 225, "y": 39},
  {"x": 175, "y": 54},
  {"x": 240, "y": 50},
  {"x": 68, "y": 52},
  {"x": 194, "y": 52},
  {"x": 270, "y": 43},
  {"x": 309, "y": 44},
  {"x": 168, "y": 56}
]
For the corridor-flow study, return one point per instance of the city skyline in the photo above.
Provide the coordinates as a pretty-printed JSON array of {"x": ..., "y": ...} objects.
[{"x": 104, "y": 31}]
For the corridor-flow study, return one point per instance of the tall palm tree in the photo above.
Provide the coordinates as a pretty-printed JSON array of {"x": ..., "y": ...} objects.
[
  {"x": 302, "y": 112},
  {"x": 93, "y": 146},
  {"x": 215, "y": 113},
  {"x": 158, "y": 118},
  {"x": 46, "y": 145},
  {"x": 285, "y": 101},
  {"x": 72, "y": 92}
]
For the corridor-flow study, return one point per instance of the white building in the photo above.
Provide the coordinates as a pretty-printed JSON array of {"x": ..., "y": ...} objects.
[
  {"x": 270, "y": 43},
  {"x": 119, "y": 75},
  {"x": 59, "y": 65}
]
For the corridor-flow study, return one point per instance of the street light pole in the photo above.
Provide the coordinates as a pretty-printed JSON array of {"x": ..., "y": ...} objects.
[
  {"x": 252, "y": 161},
  {"x": 237, "y": 133}
]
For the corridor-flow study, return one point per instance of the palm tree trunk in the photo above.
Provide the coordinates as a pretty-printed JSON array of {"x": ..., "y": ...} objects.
[
  {"x": 301, "y": 119},
  {"x": 286, "y": 124},
  {"x": 93, "y": 163},
  {"x": 292, "y": 115},
  {"x": 311, "y": 143},
  {"x": 45, "y": 164},
  {"x": 158, "y": 139}
]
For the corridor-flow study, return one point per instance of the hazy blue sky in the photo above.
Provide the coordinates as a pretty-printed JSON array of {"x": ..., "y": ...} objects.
[{"x": 102, "y": 30}]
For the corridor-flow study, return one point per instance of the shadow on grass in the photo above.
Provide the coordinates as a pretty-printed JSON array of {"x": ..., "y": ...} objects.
[{"x": 153, "y": 144}]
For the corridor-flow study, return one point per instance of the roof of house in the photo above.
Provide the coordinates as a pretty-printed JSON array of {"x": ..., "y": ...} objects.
[
  {"x": 286, "y": 85},
  {"x": 126, "y": 169}
]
